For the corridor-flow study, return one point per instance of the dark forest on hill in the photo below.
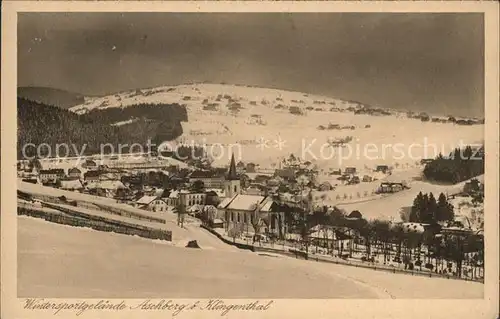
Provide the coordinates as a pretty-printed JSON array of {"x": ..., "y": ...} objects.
[{"x": 39, "y": 123}]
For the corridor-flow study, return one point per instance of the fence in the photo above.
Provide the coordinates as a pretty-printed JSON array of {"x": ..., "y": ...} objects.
[
  {"x": 72, "y": 218},
  {"x": 103, "y": 207}
]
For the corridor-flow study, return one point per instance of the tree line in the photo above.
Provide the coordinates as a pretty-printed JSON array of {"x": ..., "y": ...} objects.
[
  {"x": 426, "y": 209},
  {"x": 44, "y": 124},
  {"x": 462, "y": 164},
  {"x": 380, "y": 236}
]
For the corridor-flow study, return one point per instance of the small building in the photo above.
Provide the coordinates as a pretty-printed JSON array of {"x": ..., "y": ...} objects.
[
  {"x": 382, "y": 168},
  {"x": 350, "y": 171},
  {"x": 188, "y": 199},
  {"x": 354, "y": 180},
  {"x": 91, "y": 176},
  {"x": 74, "y": 173},
  {"x": 89, "y": 164},
  {"x": 171, "y": 197},
  {"x": 250, "y": 168},
  {"x": 367, "y": 178},
  {"x": 152, "y": 203},
  {"x": 209, "y": 179},
  {"x": 336, "y": 172},
  {"x": 388, "y": 187},
  {"x": 51, "y": 175}
]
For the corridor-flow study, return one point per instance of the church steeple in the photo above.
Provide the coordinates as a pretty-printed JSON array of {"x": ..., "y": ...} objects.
[
  {"x": 232, "y": 184},
  {"x": 231, "y": 175}
]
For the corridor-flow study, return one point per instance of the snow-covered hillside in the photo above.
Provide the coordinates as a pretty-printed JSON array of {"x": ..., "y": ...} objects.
[{"x": 264, "y": 125}]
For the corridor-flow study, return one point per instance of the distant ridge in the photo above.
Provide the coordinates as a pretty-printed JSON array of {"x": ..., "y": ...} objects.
[{"x": 51, "y": 96}]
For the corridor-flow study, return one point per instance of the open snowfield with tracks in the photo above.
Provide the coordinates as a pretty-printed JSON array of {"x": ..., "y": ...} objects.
[{"x": 263, "y": 130}]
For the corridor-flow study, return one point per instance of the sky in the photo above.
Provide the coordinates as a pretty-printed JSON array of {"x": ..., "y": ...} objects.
[{"x": 419, "y": 61}]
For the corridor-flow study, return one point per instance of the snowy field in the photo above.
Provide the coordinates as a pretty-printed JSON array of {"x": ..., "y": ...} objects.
[
  {"x": 264, "y": 115},
  {"x": 66, "y": 262}
]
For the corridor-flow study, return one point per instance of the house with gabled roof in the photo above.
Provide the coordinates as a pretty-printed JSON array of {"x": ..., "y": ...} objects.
[
  {"x": 152, "y": 203},
  {"x": 74, "y": 173},
  {"x": 51, "y": 175}
]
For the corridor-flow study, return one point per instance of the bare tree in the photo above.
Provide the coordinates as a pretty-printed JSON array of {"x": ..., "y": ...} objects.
[
  {"x": 180, "y": 209},
  {"x": 235, "y": 231},
  {"x": 255, "y": 220}
]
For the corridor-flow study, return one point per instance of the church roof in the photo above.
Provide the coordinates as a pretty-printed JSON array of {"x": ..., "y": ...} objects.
[
  {"x": 232, "y": 175},
  {"x": 246, "y": 203}
]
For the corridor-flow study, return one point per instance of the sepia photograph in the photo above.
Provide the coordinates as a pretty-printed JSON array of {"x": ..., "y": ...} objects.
[{"x": 240, "y": 155}]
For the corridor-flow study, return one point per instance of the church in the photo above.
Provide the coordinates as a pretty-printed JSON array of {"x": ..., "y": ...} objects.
[{"x": 245, "y": 212}]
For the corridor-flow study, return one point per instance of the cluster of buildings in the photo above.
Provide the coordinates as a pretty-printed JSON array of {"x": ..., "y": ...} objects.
[{"x": 242, "y": 197}]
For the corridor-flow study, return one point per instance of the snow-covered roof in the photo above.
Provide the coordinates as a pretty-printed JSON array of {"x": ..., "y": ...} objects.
[
  {"x": 266, "y": 207},
  {"x": 245, "y": 202},
  {"x": 72, "y": 184},
  {"x": 225, "y": 202},
  {"x": 414, "y": 227},
  {"x": 159, "y": 192},
  {"x": 145, "y": 200},
  {"x": 110, "y": 184}
]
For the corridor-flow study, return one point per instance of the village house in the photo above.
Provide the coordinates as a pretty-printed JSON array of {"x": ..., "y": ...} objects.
[
  {"x": 209, "y": 214},
  {"x": 74, "y": 173},
  {"x": 152, "y": 203},
  {"x": 91, "y": 176},
  {"x": 188, "y": 199},
  {"x": 388, "y": 187},
  {"x": 171, "y": 197},
  {"x": 353, "y": 180},
  {"x": 350, "y": 171},
  {"x": 382, "y": 168},
  {"x": 89, "y": 164},
  {"x": 51, "y": 175},
  {"x": 106, "y": 188},
  {"x": 209, "y": 179},
  {"x": 336, "y": 172},
  {"x": 367, "y": 179},
  {"x": 250, "y": 168}
]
